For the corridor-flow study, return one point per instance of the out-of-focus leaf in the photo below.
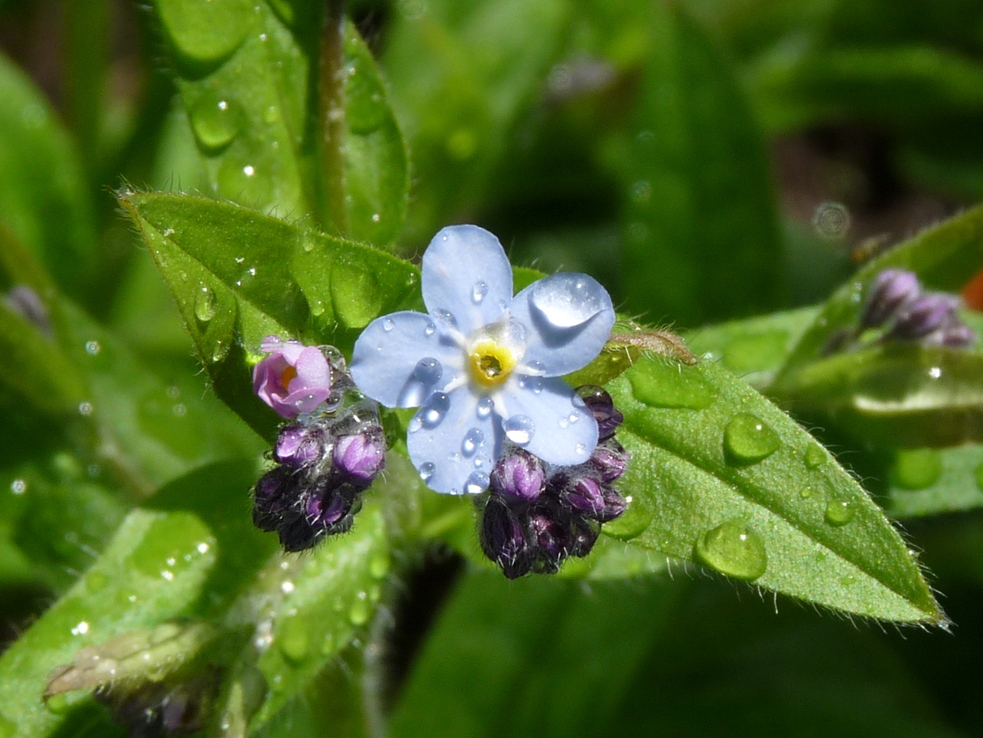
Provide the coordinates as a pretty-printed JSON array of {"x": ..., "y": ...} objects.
[
  {"x": 944, "y": 257},
  {"x": 721, "y": 476},
  {"x": 901, "y": 395},
  {"x": 755, "y": 348},
  {"x": 930, "y": 481},
  {"x": 377, "y": 177},
  {"x": 547, "y": 658},
  {"x": 701, "y": 237},
  {"x": 43, "y": 193},
  {"x": 243, "y": 76},
  {"x": 462, "y": 74},
  {"x": 900, "y": 86},
  {"x": 152, "y": 571},
  {"x": 238, "y": 275},
  {"x": 161, "y": 428}
]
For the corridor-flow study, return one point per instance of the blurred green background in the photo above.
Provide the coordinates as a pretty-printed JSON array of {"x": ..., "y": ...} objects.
[{"x": 707, "y": 160}]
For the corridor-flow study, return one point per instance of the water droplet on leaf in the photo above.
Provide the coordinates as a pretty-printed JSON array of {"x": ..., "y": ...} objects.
[
  {"x": 734, "y": 549},
  {"x": 205, "y": 304},
  {"x": 917, "y": 469},
  {"x": 748, "y": 439},
  {"x": 215, "y": 123},
  {"x": 839, "y": 512},
  {"x": 815, "y": 457}
]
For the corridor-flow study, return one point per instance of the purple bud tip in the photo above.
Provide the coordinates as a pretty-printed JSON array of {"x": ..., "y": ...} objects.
[
  {"x": 610, "y": 460},
  {"x": 585, "y": 495},
  {"x": 551, "y": 543},
  {"x": 959, "y": 335},
  {"x": 614, "y": 505},
  {"x": 502, "y": 539},
  {"x": 272, "y": 497},
  {"x": 298, "y": 445},
  {"x": 924, "y": 315},
  {"x": 519, "y": 476},
  {"x": 601, "y": 405},
  {"x": 360, "y": 456},
  {"x": 889, "y": 293}
]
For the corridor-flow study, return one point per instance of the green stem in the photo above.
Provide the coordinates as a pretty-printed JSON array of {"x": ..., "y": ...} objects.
[{"x": 331, "y": 119}]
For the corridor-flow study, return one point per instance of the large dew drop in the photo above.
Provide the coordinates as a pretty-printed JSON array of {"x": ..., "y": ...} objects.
[
  {"x": 734, "y": 549},
  {"x": 215, "y": 123},
  {"x": 748, "y": 440},
  {"x": 567, "y": 300},
  {"x": 519, "y": 429},
  {"x": 839, "y": 512},
  {"x": 205, "y": 304}
]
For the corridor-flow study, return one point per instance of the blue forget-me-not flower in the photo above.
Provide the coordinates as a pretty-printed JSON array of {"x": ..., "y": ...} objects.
[{"x": 484, "y": 366}]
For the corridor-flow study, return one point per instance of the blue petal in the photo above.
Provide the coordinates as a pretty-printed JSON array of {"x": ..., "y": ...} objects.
[
  {"x": 401, "y": 358},
  {"x": 560, "y": 429},
  {"x": 452, "y": 445},
  {"x": 467, "y": 274},
  {"x": 568, "y": 317}
]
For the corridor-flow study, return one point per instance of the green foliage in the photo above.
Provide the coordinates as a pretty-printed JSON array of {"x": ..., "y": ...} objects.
[{"x": 637, "y": 141}]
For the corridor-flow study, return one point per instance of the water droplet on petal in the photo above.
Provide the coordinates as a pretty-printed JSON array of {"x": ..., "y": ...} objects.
[
  {"x": 748, "y": 439},
  {"x": 426, "y": 471},
  {"x": 424, "y": 377},
  {"x": 567, "y": 300},
  {"x": 429, "y": 330},
  {"x": 478, "y": 291},
  {"x": 839, "y": 512},
  {"x": 472, "y": 441},
  {"x": 388, "y": 325},
  {"x": 485, "y": 406},
  {"x": 446, "y": 316},
  {"x": 734, "y": 549},
  {"x": 435, "y": 409},
  {"x": 581, "y": 449},
  {"x": 477, "y": 483},
  {"x": 519, "y": 429}
]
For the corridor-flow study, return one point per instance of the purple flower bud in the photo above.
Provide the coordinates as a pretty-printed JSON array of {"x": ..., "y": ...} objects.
[
  {"x": 585, "y": 495},
  {"x": 360, "y": 456},
  {"x": 959, "y": 335},
  {"x": 298, "y": 534},
  {"x": 549, "y": 537},
  {"x": 602, "y": 406},
  {"x": 582, "y": 536},
  {"x": 889, "y": 293},
  {"x": 924, "y": 315},
  {"x": 614, "y": 505},
  {"x": 293, "y": 379},
  {"x": 610, "y": 460},
  {"x": 502, "y": 539},
  {"x": 299, "y": 445},
  {"x": 274, "y": 495},
  {"x": 326, "y": 508},
  {"x": 518, "y": 476}
]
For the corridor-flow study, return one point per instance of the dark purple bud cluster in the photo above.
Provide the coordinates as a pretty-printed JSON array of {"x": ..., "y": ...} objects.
[
  {"x": 163, "y": 709},
  {"x": 535, "y": 516},
  {"x": 896, "y": 300},
  {"x": 325, "y": 460}
]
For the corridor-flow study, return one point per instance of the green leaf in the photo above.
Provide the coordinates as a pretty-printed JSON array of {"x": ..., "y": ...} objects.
[
  {"x": 376, "y": 164},
  {"x": 721, "y": 476},
  {"x": 545, "y": 658},
  {"x": 316, "y": 604},
  {"x": 701, "y": 237},
  {"x": 462, "y": 76},
  {"x": 945, "y": 257},
  {"x": 238, "y": 275},
  {"x": 894, "y": 394},
  {"x": 243, "y": 75},
  {"x": 43, "y": 193},
  {"x": 153, "y": 570},
  {"x": 932, "y": 481}
]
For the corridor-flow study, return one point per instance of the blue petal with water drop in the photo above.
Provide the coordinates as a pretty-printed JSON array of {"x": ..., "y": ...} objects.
[
  {"x": 563, "y": 430},
  {"x": 467, "y": 274},
  {"x": 400, "y": 359},
  {"x": 437, "y": 442},
  {"x": 568, "y": 318}
]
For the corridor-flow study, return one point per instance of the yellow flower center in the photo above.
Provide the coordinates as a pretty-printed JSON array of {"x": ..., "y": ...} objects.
[
  {"x": 289, "y": 374},
  {"x": 491, "y": 363}
]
